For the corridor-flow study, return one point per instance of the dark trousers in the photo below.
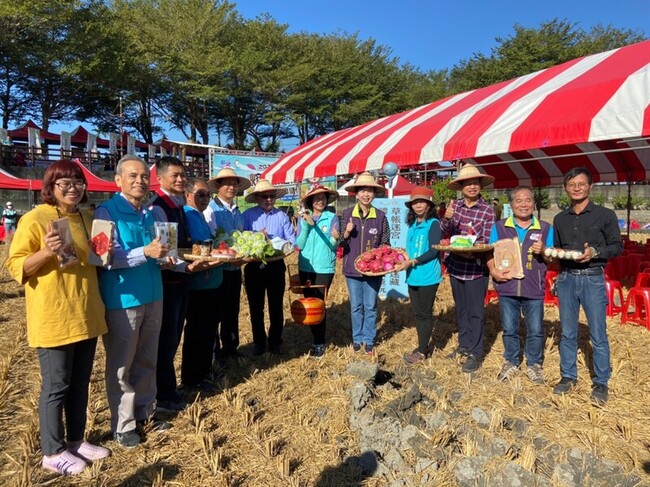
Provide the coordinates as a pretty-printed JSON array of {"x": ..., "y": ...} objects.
[
  {"x": 65, "y": 376},
  {"x": 422, "y": 299},
  {"x": 317, "y": 331},
  {"x": 200, "y": 333},
  {"x": 269, "y": 280},
  {"x": 469, "y": 296},
  {"x": 229, "y": 294},
  {"x": 175, "y": 297}
]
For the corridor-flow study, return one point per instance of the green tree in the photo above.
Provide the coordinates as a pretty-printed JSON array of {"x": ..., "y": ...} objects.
[{"x": 441, "y": 194}]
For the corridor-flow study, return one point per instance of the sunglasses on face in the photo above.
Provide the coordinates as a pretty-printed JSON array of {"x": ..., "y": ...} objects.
[{"x": 201, "y": 194}]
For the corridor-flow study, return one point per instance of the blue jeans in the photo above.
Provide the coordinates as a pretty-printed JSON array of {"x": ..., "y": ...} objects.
[
  {"x": 511, "y": 308},
  {"x": 363, "y": 306},
  {"x": 588, "y": 291}
]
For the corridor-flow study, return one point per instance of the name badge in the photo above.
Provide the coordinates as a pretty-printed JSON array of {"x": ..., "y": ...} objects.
[
  {"x": 373, "y": 231},
  {"x": 535, "y": 237}
]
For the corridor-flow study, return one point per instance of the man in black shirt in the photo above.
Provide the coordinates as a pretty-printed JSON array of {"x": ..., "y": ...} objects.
[{"x": 593, "y": 230}]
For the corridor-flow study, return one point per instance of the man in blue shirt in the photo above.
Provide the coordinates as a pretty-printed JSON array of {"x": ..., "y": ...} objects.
[
  {"x": 222, "y": 214},
  {"x": 269, "y": 279},
  {"x": 527, "y": 294}
]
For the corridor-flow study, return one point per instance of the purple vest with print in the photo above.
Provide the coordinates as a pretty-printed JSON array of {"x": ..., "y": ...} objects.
[
  {"x": 533, "y": 284},
  {"x": 366, "y": 236}
]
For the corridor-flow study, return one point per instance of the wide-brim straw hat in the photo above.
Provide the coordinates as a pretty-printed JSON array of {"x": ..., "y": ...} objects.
[
  {"x": 225, "y": 173},
  {"x": 420, "y": 194},
  {"x": 319, "y": 189},
  {"x": 264, "y": 186},
  {"x": 365, "y": 180},
  {"x": 470, "y": 171}
]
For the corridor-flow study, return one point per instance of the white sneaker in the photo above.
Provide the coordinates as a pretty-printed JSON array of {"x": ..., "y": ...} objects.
[
  {"x": 90, "y": 452},
  {"x": 507, "y": 371},
  {"x": 64, "y": 463}
]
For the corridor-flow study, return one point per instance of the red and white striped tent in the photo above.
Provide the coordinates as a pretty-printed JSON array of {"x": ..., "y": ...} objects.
[{"x": 592, "y": 111}]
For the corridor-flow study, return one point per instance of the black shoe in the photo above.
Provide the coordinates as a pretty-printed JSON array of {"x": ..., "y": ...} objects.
[
  {"x": 472, "y": 364},
  {"x": 128, "y": 439},
  {"x": 599, "y": 394},
  {"x": 565, "y": 385},
  {"x": 203, "y": 386},
  {"x": 153, "y": 424},
  {"x": 317, "y": 352},
  {"x": 356, "y": 347},
  {"x": 258, "y": 349}
]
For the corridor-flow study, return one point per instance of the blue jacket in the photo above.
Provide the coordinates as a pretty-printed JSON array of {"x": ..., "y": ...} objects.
[
  {"x": 134, "y": 286},
  {"x": 317, "y": 247},
  {"x": 417, "y": 243},
  {"x": 199, "y": 231}
]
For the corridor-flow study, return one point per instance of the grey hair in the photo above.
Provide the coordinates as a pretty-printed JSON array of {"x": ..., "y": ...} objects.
[
  {"x": 126, "y": 158},
  {"x": 191, "y": 182},
  {"x": 511, "y": 196}
]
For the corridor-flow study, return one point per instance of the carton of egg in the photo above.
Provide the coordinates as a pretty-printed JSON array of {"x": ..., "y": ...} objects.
[{"x": 562, "y": 254}]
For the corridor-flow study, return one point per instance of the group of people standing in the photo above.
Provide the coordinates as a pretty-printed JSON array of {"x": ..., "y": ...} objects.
[{"x": 144, "y": 300}]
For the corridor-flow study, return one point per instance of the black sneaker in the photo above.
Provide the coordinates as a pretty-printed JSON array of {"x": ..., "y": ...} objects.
[
  {"x": 128, "y": 439},
  {"x": 414, "y": 357},
  {"x": 356, "y": 347},
  {"x": 317, "y": 352},
  {"x": 472, "y": 364},
  {"x": 599, "y": 394},
  {"x": 565, "y": 385}
]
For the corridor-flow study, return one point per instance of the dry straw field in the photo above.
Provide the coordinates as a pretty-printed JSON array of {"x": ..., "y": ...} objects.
[{"x": 283, "y": 420}]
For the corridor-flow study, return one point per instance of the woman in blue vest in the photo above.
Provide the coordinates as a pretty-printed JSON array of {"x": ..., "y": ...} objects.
[
  {"x": 318, "y": 234},
  {"x": 366, "y": 228},
  {"x": 423, "y": 270}
]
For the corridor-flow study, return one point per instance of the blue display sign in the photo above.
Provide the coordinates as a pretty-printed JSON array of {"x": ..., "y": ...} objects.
[{"x": 394, "y": 283}]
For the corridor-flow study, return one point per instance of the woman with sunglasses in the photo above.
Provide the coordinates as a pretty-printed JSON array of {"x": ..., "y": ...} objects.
[{"x": 65, "y": 315}]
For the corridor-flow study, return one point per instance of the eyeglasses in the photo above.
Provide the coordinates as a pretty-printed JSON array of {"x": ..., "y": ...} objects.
[
  {"x": 68, "y": 185},
  {"x": 577, "y": 185},
  {"x": 269, "y": 196},
  {"x": 201, "y": 194}
]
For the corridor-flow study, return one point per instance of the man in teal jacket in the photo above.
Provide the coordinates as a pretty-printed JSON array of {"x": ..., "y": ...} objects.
[{"x": 131, "y": 288}]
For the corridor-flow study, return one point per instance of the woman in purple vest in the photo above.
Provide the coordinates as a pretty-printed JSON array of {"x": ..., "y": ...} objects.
[{"x": 366, "y": 228}]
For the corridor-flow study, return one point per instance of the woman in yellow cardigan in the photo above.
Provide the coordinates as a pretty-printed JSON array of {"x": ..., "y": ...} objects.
[{"x": 65, "y": 314}]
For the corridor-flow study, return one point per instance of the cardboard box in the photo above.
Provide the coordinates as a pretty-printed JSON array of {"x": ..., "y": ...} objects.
[
  {"x": 67, "y": 254},
  {"x": 507, "y": 256},
  {"x": 101, "y": 236}
]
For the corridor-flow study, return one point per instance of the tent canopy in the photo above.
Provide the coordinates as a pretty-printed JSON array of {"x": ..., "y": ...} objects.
[
  {"x": 22, "y": 133},
  {"x": 592, "y": 111},
  {"x": 9, "y": 181}
]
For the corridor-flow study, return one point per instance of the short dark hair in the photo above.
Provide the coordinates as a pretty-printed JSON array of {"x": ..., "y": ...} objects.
[
  {"x": 63, "y": 168},
  {"x": 191, "y": 182},
  {"x": 163, "y": 163},
  {"x": 430, "y": 213},
  {"x": 577, "y": 171}
]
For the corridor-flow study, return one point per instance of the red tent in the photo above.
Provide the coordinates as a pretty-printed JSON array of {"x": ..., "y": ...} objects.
[
  {"x": 95, "y": 183},
  {"x": 79, "y": 137},
  {"x": 105, "y": 143},
  {"x": 592, "y": 111},
  {"x": 22, "y": 133},
  {"x": 9, "y": 181}
]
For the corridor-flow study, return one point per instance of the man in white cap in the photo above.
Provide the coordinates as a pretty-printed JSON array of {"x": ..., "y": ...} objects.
[
  {"x": 223, "y": 214},
  {"x": 469, "y": 215}
]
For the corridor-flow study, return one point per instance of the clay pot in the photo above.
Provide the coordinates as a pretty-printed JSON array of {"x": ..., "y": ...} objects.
[{"x": 308, "y": 311}]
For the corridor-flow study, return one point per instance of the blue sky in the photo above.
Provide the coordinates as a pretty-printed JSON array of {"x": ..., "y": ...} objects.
[
  {"x": 434, "y": 34},
  {"x": 431, "y": 34}
]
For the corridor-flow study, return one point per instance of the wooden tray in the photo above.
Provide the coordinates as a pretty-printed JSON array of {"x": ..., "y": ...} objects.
[
  {"x": 382, "y": 273},
  {"x": 475, "y": 248},
  {"x": 211, "y": 258}
]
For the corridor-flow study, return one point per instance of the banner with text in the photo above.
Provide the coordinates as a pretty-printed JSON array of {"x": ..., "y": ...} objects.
[{"x": 394, "y": 284}]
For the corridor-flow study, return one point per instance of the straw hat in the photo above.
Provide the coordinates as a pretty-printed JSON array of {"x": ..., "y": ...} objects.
[
  {"x": 225, "y": 173},
  {"x": 318, "y": 189},
  {"x": 470, "y": 171},
  {"x": 420, "y": 193},
  {"x": 365, "y": 180},
  {"x": 264, "y": 186}
]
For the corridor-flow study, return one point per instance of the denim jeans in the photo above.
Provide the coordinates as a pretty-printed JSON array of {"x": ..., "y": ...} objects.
[
  {"x": 588, "y": 291},
  {"x": 363, "y": 306},
  {"x": 511, "y": 308}
]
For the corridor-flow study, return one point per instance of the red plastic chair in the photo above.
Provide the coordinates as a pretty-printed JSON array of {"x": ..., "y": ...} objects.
[
  {"x": 637, "y": 307},
  {"x": 642, "y": 279},
  {"x": 548, "y": 297},
  {"x": 614, "y": 291}
]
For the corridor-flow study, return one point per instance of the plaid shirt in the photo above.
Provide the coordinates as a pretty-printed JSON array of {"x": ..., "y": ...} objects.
[{"x": 481, "y": 216}]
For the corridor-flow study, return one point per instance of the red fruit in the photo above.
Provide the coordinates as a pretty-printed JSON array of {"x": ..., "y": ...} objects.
[
  {"x": 362, "y": 266},
  {"x": 367, "y": 256},
  {"x": 376, "y": 266}
]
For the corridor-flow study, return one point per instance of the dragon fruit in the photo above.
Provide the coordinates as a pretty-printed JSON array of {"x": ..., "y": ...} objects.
[{"x": 382, "y": 259}]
